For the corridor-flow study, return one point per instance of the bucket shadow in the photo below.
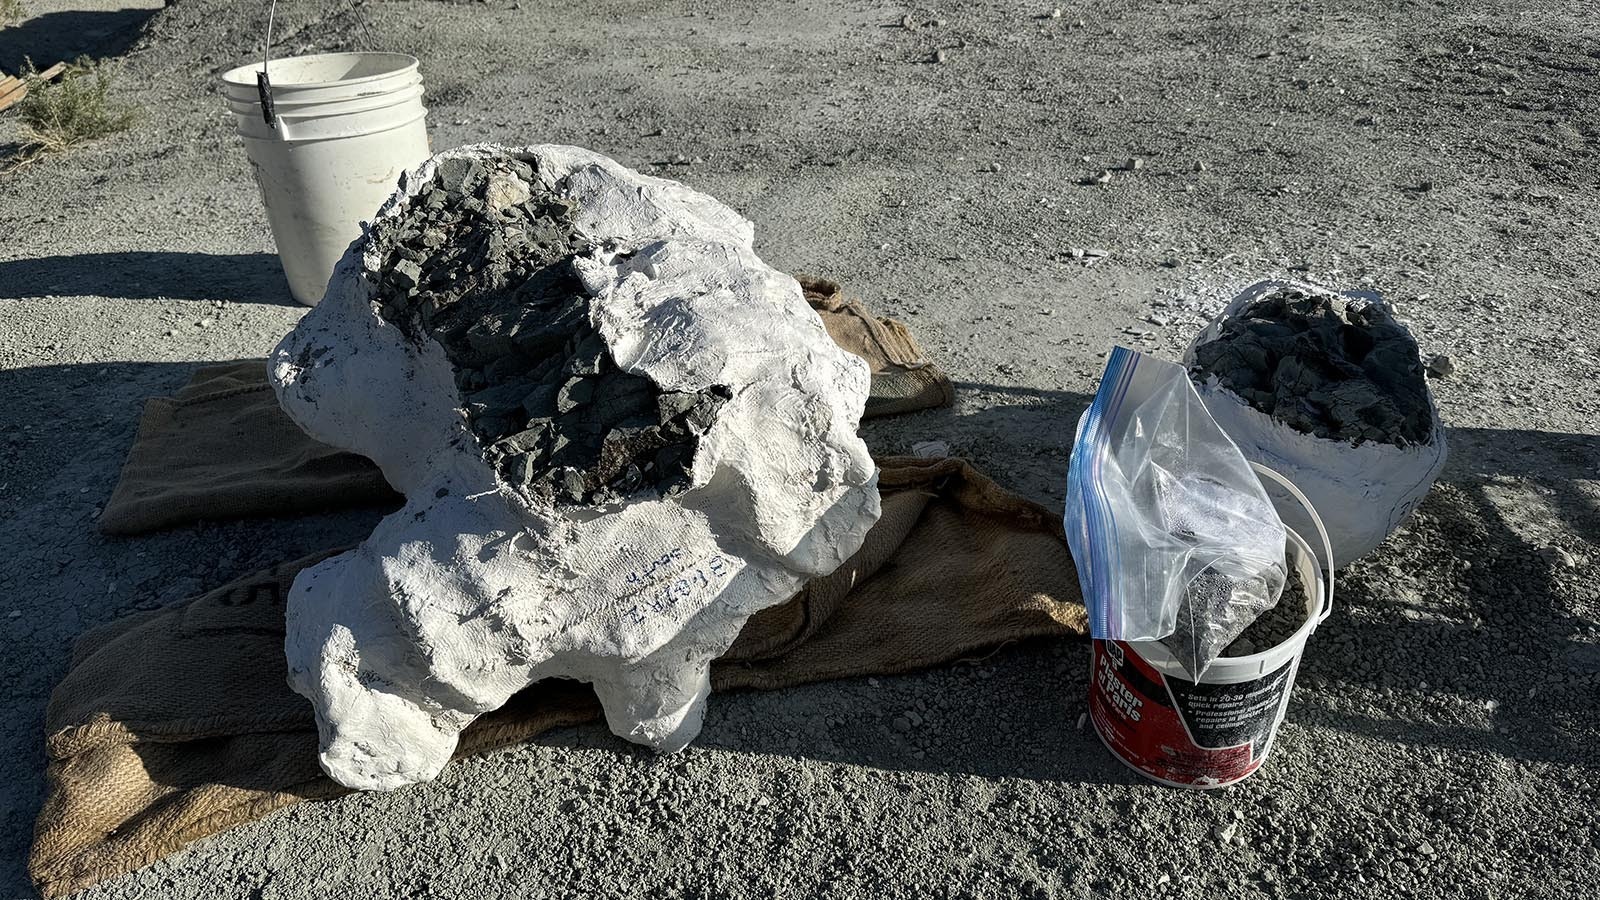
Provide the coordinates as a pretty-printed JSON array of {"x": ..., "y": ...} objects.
[
  {"x": 64, "y": 36},
  {"x": 149, "y": 275},
  {"x": 1463, "y": 631}
]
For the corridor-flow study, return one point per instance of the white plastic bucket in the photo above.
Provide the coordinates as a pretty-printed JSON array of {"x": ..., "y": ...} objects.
[
  {"x": 348, "y": 124},
  {"x": 1218, "y": 730}
]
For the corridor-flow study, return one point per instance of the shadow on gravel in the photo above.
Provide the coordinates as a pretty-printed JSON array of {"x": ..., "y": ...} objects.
[
  {"x": 91, "y": 408},
  {"x": 148, "y": 275},
  {"x": 1016, "y": 435},
  {"x": 63, "y": 36},
  {"x": 1010, "y": 715},
  {"x": 1466, "y": 630},
  {"x": 1506, "y": 629},
  {"x": 1422, "y": 650},
  {"x": 64, "y": 432}
]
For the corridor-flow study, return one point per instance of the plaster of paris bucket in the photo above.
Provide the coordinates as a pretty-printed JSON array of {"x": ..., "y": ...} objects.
[
  {"x": 1219, "y": 730},
  {"x": 348, "y": 124}
]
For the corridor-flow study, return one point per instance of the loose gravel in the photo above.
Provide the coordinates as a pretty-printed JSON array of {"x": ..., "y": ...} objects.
[{"x": 1441, "y": 738}]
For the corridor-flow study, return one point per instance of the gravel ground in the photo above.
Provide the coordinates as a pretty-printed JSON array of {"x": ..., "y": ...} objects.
[{"x": 1442, "y": 739}]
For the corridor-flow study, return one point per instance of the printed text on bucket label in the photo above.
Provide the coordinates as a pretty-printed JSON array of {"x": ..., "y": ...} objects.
[{"x": 1120, "y": 694}]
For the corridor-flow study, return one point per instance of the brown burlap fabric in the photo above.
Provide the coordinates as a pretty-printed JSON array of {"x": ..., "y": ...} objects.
[
  {"x": 903, "y": 380},
  {"x": 221, "y": 448},
  {"x": 175, "y": 724}
]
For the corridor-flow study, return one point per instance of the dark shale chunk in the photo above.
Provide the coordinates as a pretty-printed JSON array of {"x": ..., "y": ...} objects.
[
  {"x": 499, "y": 292},
  {"x": 1323, "y": 366}
]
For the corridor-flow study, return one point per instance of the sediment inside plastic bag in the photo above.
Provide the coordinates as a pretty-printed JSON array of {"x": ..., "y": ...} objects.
[
  {"x": 1277, "y": 624},
  {"x": 1217, "y": 608}
]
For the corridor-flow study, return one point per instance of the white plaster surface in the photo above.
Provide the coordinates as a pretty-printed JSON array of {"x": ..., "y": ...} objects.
[
  {"x": 1361, "y": 492},
  {"x": 472, "y": 592}
]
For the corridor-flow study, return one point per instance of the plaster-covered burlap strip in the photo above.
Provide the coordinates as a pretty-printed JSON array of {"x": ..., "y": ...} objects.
[
  {"x": 177, "y": 723},
  {"x": 221, "y": 448}
]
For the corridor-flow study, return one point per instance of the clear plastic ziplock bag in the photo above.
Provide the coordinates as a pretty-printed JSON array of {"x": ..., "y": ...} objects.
[{"x": 1174, "y": 537}]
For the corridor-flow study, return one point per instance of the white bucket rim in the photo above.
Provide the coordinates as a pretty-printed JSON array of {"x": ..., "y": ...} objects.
[
  {"x": 311, "y": 91},
  {"x": 279, "y": 137},
  {"x": 245, "y": 75},
  {"x": 328, "y": 109},
  {"x": 238, "y": 100}
]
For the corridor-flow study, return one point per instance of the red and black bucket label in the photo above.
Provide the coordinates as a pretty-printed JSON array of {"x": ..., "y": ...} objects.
[{"x": 1178, "y": 731}]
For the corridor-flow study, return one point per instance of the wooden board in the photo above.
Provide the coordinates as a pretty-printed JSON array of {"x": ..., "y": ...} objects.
[{"x": 14, "y": 89}]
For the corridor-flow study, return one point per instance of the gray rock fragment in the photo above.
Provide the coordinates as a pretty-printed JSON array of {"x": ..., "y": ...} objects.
[
  {"x": 454, "y": 176},
  {"x": 575, "y": 392},
  {"x": 482, "y": 262},
  {"x": 1323, "y": 366}
]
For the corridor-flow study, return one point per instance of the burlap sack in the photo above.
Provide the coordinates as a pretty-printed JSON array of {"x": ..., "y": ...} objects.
[
  {"x": 903, "y": 380},
  {"x": 222, "y": 449},
  {"x": 177, "y": 723}
]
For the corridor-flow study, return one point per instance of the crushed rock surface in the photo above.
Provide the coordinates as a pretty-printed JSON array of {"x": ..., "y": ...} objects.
[
  {"x": 1323, "y": 365},
  {"x": 481, "y": 260}
]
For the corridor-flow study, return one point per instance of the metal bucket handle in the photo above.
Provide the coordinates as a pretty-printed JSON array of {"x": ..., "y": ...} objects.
[
  {"x": 1316, "y": 521},
  {"x": 264, "y": 84}
]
